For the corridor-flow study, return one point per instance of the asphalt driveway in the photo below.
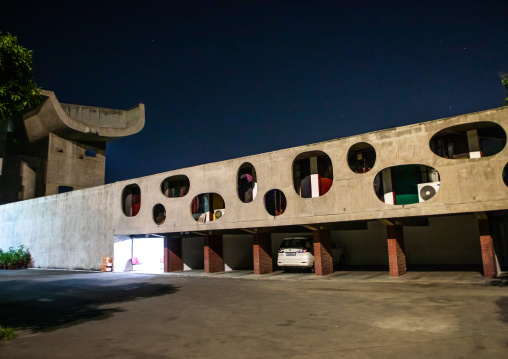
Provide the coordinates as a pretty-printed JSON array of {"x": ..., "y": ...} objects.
[{"x": 62, "y": 314}]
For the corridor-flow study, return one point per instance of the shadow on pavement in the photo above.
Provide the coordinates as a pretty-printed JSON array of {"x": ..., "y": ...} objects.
[
  {"x": 50, "y": 305},
  {"x": 502, "y": 303}
]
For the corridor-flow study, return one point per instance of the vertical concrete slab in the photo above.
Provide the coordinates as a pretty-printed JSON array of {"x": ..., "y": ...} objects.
[
  {"x": 396, "y": 250},
  {"x": 262, "y": 251},
  {"x": 323, "y": 261},
  {"x": 214, "y": 261},
  {"x": 173, "y": 259},
  {"x": 488, "y": 253}
]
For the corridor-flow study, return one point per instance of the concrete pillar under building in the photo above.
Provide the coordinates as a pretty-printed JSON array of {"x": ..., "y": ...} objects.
[
  {"x": 396, "y": 251},
  {"x": 262, "y": 252},
  {"x": 173, "y": 260},
  {"x": 214, "y": 261},
  {"x": 323, "y": 261},
  {"x": 488, "y": 253}
]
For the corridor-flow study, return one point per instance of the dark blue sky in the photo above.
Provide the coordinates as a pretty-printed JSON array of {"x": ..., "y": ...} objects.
[{"x": 225, "y": 79}]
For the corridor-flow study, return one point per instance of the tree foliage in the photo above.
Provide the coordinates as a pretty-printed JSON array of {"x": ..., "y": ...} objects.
[
  {"x": 18, "y": 91},
  {"x": 504, "y": 80}
]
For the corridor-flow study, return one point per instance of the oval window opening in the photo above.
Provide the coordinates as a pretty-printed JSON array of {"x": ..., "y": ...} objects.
[
  {"x": 175, "y": 186},
  {"x": 207, "y": 207},
  {"x": 275, "y": 202},
  {"x": 312, "y": 174},
  {"x": 159, "y": 214},
  {"x": 406, "y": 184},
  {"x": 470, "y": 140},
  {"x": 361, "y": 157},
  {"x": 131, "y": 200},
  {"x": 247, "y": 183},
  {"x": 505, "y": 174}
]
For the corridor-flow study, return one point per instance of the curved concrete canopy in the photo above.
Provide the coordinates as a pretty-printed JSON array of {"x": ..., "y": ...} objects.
[{"x": 81, "y": 123}]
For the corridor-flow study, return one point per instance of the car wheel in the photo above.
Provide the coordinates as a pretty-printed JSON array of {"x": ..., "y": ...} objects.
[{"x": 285, "y": 269}]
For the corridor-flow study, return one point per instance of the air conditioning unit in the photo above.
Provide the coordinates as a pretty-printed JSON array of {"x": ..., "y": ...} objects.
[
  {"x": 427, "y": 190},
  {"x": 218, "y": 213}
]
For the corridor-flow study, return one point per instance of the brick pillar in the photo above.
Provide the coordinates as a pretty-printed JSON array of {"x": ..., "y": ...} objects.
[
  {"x": 173, "y": 254},
  {"x": 323, "y": 261},
  {"x": 488, "y": 253},
  {"x": 396, "y": 251},
  {"x": 213, "y": 254},
  {"x": 262, "y": 248}
]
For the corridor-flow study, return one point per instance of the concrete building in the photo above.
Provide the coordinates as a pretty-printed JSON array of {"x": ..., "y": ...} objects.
[
  {"x": 59, "y": 147},
  {"x": 432, "y": 193}
]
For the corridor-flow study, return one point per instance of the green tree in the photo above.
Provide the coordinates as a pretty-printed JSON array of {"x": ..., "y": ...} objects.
[
  {"x": 504, "y": 80},
  {"x": 18, "y": 91}
]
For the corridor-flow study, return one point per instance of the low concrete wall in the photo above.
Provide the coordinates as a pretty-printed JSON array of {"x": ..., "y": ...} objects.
[{"x": 72, "y": 230}]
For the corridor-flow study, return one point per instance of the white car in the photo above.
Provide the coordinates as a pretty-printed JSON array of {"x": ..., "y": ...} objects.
[{"x": 298, "y": 252}]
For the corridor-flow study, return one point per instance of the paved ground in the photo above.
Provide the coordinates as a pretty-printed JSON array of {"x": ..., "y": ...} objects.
[{"x": 346, "y": 315}]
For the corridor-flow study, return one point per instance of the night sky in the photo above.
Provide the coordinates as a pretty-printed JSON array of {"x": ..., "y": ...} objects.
[{"x": 225, "y": 79}]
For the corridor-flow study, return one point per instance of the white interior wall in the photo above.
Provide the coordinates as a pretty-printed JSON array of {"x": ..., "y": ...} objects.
[
  {"x": 150, "y": 254},
  {"x": 122, "y": 254}
]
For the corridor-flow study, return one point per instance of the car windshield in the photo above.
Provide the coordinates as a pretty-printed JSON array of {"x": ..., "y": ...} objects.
[{"x": 293, "y": 243}]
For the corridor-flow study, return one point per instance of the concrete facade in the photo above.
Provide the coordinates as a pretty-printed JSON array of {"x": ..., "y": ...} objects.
[
  {"x": 467, "y": 185},
  {"x": 56, "y": 147},
  {"x": 69, "y": 165},
  {"x": 74, "y": 230}
]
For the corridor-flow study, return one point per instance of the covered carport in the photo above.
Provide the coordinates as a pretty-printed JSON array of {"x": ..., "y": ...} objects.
[{"x": 433, "y": 243}]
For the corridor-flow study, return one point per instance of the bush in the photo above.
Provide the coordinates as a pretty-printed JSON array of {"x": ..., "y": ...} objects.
[
  {"x": 13, "y": 257},
  {"x": 7, "y": 333}
]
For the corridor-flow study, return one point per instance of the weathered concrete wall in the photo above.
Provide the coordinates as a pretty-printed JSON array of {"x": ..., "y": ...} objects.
[
  {"x": 467, "y": 185},
  {"x": 76, "y": 229},
  {"x": 87, "y": 123},
  {"x": 68, "y": 165},
  {"x": 70, "y": 230},
  {"x": 27, "y": 181}
]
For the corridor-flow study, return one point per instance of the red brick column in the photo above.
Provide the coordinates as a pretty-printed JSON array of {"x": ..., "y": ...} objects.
[
  {"x": 213, "y": 254},
  {"x": 396, "y": 252},
  {"x": 488, "y": 253},
  {"x": 262, "y": 248},
  {"x": 323, "y": 261},
  {"x": 173, "y": 254}
]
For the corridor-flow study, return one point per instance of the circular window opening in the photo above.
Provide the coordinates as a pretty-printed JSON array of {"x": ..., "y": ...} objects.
[
  {"x": 159, "y": 214},
  {"x": 175, "y": 186},
  {"x": 275, "y": 202},
  {"x": 247, "y": 183},
  {"x": 361, "y": 157},
  {"x": 505, "y": 174},
  {"x": 312, "y": 174},
  {"x": 207, "y": 207},
  {"x": 131, "y": 200}
]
